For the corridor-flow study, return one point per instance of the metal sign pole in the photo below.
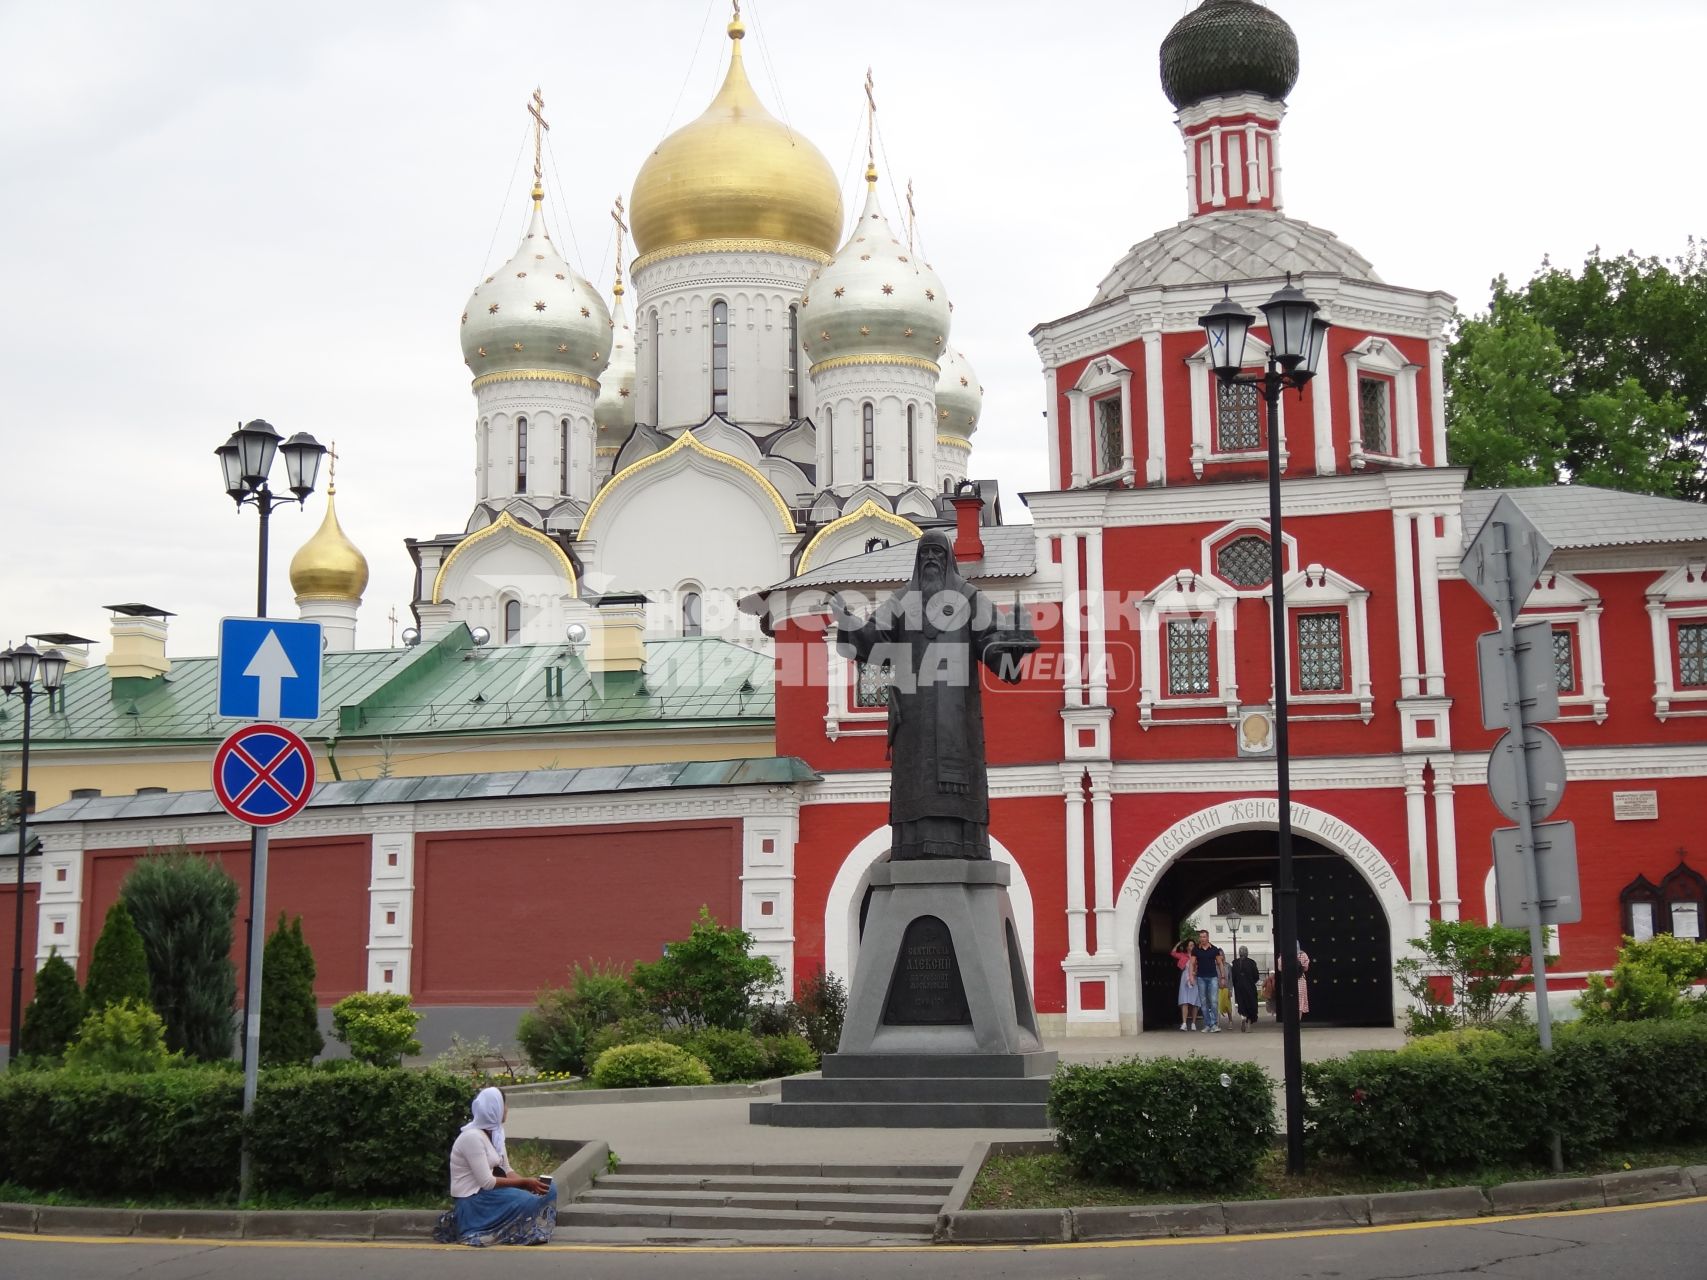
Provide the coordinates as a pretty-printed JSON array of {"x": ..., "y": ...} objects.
[
  {"x": 252, "y": 1002},
  {"x": 1525, "y": 816}
]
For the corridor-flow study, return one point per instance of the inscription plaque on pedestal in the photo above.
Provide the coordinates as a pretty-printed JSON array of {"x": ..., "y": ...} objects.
[{"x": 926, "y": 989}]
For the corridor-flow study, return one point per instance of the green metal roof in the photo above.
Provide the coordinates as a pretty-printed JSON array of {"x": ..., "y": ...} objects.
[
  {"x": 757, "y": 771},
  {"x": 449, "y": 686}
]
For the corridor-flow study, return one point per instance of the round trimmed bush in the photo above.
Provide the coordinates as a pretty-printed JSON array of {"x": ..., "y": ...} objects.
[
  {"x": 646, "y": 1065},
  {"x": 729, "y": 1055},
  {"x": 787, "y": 1055}
]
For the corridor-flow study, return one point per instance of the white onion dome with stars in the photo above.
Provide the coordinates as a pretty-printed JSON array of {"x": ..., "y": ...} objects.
[
  {"x": 874, "y": 299},
  {"x": 614, "y": 412},
  {"x": 536, "y": 313},
  {"x": 959, "y": 397}
]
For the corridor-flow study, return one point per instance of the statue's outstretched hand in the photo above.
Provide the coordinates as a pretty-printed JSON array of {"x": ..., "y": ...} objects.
[{"x": 844, "y": 618}]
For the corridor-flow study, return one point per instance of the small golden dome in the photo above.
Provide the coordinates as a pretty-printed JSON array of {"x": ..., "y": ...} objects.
[
  {"x": 736, "y": 173},
  {"x": 329, "y": 566}
]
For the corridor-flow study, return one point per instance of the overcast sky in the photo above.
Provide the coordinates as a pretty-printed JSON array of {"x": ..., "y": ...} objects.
[{"x": 216, "y": 212}]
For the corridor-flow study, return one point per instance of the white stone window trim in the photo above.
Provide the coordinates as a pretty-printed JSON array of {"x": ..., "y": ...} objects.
[
  {"x": 843, "y": 716},
  {"x": 1315, "y": 590},
  {"x": 1381, "y": 356},
  {"x": 1181, "y": 595},
  {"x": 1203, "y": 401},
  {"x": 1234, "y": 529},
  {"x": 1102, "y": 377},
  {"x": 1677, "y": 596},
  {"x": 1568, "y": 602}
]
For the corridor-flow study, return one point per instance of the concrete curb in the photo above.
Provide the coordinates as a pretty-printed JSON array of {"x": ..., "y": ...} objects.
[
  {"x": 960, "y": 1225},
  {"x": 956, "y": 1224}
]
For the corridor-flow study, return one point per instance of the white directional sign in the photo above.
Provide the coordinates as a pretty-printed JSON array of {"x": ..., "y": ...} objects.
[
  {"x": 1505, "y": 557},
  {"x": 269, "y": 669}
]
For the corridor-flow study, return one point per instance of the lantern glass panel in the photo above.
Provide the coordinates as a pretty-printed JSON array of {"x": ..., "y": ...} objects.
[
  {"x": 302, "y": 455},
  {"x": 53, "y": 664},
  {"x": 257, "y": 442},
  {"x": 1228, "y": 325}
]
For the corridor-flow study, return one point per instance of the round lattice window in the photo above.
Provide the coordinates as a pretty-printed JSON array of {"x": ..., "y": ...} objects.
[{"x": 1244, "y": 562}]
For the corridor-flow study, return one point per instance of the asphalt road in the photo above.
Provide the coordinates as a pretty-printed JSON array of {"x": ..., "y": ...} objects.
[{"x": 1653, "y": 1242}]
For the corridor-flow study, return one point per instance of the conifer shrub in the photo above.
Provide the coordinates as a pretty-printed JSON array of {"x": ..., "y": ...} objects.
[
  {"x": 290, "y": 1015},
  {"x": 123, "y": 1037},
  {"x": 118, "y": 967},
  {"x": 184, "y": 906},
  {"x": 51, "y": 1019},
  {"x": 378, "y": 1026},
  {"x": 646, "y": 1065},
  {"x": 1164, "y": 1123}
]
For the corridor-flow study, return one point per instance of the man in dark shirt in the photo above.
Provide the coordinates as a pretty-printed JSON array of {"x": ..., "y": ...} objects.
[{"x": 1210, "y": 965}]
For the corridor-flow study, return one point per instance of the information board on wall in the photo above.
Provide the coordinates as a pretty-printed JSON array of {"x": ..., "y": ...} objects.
[{"x": 1635, "y": 806}]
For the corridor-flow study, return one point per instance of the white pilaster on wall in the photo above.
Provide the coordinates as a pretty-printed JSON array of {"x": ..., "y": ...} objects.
[
  {"x": 1052, "y": 419},
  {"x": 1155, "y": 426},
  {"x": 1416, "y": 838},
  {"x": 1437, "y": 398},
  {"x": 1096, "y": 620},
  {"x": 1073, "y": 792},
  {"x": 1446, "y": 841},
  {"x": 1125, "y": 376},
  {"x": 1428, "y": 556},
  {"x": 767, "y": 886},
  {"x": 391, "y": 912},
  {"x": 1102, "y": 855},
  {"x": 1405, "y": 589},
  {"x": 1078, "y": 435},
  {"x": 59, "y": 904},
  {"x": 1072, "y": 676},
  {"x": 1322, "y": 411}
]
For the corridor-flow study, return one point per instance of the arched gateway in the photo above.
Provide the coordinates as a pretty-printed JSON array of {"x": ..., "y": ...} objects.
[{"x": 1316, "y": 833}]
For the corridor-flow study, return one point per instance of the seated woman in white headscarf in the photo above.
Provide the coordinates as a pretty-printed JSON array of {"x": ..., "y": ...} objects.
[{"x": 493, "y": 1205}]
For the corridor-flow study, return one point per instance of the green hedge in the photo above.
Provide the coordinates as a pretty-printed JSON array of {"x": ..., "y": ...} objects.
[
  {"x": 357, "y": 1130},
  {"x": 90, "y": 1133},
  {"x": 350, "y": 1131},
  {"x": 1441, "y": 1104},
  {"x": 1164, "y": 1123}
]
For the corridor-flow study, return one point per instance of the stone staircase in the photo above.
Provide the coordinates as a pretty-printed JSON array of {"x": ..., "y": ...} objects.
[
  {"x": 916, "y": 1090},
  {"x": 756, "y": 1204}
]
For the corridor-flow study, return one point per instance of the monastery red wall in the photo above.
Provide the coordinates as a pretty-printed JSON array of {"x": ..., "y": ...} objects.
[
  {"x": 8, "y": 936},
  {"x": 325, "y": 881},
  {"x": 501, "y": 913}
]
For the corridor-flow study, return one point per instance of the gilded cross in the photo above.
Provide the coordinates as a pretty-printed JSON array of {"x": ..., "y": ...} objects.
[
  {"x": 621, "y": 230},
  {"x": 332, "y": 475},
  {"x": 870, "y": 119},
  {"x": 911, "y": 217},
  {"x": 392, "y": 618},
  {"x": 536, "y": 109}
]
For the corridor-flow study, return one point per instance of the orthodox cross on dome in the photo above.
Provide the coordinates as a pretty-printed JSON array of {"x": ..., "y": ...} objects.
[
  {"x": 912, "y": 216},
  {"x": 536, "y": 109},
  {"x": 332, "y": 474},
  {"x": 621, "y": 230},
  {"x": 392, "y": 619},
  {"x": 870, "y": 129}
]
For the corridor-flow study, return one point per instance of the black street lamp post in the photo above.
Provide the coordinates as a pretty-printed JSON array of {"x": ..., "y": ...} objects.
[
  {"x": 20, "y": 670},
  {"x": 1296, "y": 338},
  {"x": 246, "y": 463}
]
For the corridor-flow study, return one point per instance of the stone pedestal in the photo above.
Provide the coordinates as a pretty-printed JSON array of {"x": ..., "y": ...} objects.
[{"x": 940, "y": 1030}]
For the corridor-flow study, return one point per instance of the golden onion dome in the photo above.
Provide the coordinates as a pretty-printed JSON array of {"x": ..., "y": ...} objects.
[
  {"x": 329, "y": 566},
  {"x": 736, "y": 173}
]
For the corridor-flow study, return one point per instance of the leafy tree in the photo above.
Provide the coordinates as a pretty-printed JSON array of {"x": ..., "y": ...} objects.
[
  {"x": 820, "y": 1009},
  {"x": 52, "y": 1018},
  {"x": 184, "y": 906},
  {"x": 290, "y": 1015},
  {"x": 118, "y": 969},
  {"x": 710, "y": 979},
  {"x": 558, "y": 1031},
  {"x": 1469, "y": 974},
  {"x": 1597, "y": 376}
]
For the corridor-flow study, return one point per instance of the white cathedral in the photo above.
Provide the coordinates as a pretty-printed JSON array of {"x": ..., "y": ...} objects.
[{"x": 778, "y": 402}]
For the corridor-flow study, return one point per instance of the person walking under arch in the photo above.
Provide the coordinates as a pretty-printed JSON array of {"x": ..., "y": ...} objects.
[{"x": 1209, "y": 968}]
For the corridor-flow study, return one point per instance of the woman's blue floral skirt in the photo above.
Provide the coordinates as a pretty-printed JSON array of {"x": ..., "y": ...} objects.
[{"x": 499, "y": 1215}]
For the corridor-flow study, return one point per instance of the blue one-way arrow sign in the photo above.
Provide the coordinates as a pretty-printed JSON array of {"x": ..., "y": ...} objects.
[{"x": 269, "y": 669}]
